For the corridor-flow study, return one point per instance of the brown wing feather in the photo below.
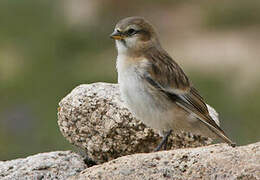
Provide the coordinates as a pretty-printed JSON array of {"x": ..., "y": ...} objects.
[
  {"x": 198, "y": 103},
  {"x": 166, "y": 74},
  {"x": 197, "y": 106},
  {"x": 166, "y": 71},
  {"x": 196, "y": 100}
]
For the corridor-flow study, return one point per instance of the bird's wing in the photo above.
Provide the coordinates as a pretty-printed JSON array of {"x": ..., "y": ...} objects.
[
  {"x": 166, "y": 72},
  {"x": 166, "y": 75}
]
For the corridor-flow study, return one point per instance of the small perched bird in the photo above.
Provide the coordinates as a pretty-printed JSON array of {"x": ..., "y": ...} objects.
[{"x": 155, "y": 88}]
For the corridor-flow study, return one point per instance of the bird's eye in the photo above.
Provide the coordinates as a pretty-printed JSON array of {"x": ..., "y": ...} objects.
[{"x": 131, "y": 31}]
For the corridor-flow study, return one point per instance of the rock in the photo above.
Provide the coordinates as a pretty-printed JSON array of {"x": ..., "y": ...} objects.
[
  {"x": 217, "y": 162},
  {"x": 93, "y": 117},
  {"x": 52, "y": 165}
]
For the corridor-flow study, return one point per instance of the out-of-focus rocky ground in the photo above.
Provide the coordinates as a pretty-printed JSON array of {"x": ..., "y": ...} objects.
[
  {"x": 209, "y": 162},
  {"x": 218, "y": 162}
]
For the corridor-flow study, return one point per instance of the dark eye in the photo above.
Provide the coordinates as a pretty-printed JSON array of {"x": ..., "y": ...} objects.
[{"x": 131, "y": 31}]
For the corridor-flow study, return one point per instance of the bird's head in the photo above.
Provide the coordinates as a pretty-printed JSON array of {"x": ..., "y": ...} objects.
[{"x": 134, "y": 35}]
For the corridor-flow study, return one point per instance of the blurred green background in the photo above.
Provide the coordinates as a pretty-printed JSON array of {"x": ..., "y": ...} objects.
[{"x": 48, "y": 47}]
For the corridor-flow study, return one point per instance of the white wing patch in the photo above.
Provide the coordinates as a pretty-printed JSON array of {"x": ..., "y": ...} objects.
[{"x": 213, "y": 114}]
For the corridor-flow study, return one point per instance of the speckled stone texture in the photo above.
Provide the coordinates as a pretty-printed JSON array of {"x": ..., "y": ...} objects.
[
  {"x": 43, "y": 166},
  {"x": 94, "y": 118},
  {"x": 218, "y": 162}
]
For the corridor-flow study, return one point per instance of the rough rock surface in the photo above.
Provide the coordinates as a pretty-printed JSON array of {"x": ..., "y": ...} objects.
[
  {"x": 217, "y": 162},
  {"x": 93, "y": 117},
  {"x": 52, "y": 165}
]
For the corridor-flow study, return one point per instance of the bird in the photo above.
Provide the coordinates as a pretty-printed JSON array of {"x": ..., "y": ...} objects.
[{"x": 155, "y": 88}]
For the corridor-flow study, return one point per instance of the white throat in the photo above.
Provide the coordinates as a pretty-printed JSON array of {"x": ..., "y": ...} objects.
[{"x": 121, "y": 48}]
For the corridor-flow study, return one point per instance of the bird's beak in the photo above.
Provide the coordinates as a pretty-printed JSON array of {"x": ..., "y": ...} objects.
[{"x": 117, "y": 35}]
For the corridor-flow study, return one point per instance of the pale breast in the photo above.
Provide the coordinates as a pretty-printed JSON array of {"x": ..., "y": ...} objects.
[
  {"x": 132, "y": 87},
  {"x": 145, "y": 103}
]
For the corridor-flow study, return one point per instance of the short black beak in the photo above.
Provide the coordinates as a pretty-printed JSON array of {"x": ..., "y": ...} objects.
[{"x": 116, "y": 35}]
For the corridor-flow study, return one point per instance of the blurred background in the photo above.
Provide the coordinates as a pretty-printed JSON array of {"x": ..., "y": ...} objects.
[{"x": 48, "y": 47}]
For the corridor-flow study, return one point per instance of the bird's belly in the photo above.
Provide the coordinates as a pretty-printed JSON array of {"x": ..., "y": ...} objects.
[{"x": 147, "y": 105}]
